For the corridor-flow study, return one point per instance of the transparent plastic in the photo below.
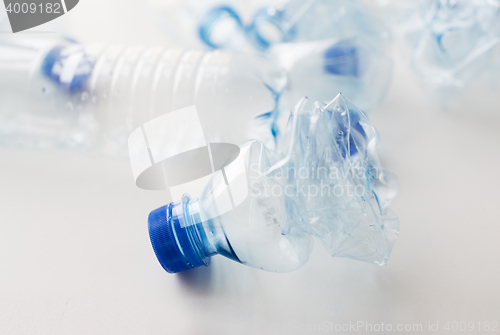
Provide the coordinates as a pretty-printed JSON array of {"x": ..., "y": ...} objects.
[
  {"x": 310, "y": 20},
  {"x": 457, "y": 44},
  {"x": 326, "y": 46},
  {"x": 56, "y": 93},
  {"x": 358, "y": 67},
  {"x": 264, "y": 209}
]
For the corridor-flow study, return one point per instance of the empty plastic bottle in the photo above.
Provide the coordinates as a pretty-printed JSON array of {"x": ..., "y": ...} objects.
[
  {"x": 264, "y": 208},
  {"x": 56, "y": 93},
  {"x": 327, "y": 46}
]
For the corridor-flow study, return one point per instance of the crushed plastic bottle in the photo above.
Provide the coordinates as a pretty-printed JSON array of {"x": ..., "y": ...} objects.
[
  {"x": 56, "y": 93},
  {"x": 264, "y": 208},
  {"x": 457, "y": 44}
]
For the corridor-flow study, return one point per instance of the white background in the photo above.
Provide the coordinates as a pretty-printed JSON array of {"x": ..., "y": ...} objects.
[{"x": 75, "y": 255}]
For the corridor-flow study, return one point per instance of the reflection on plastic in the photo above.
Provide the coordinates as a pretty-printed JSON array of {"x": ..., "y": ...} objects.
[{"x": 170, "y": 153}]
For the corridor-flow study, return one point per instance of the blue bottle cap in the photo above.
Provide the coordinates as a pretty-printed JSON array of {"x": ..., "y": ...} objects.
[
  {"x": 58, "y": 59},
  {"x": 344, "y": 59},
  {"x": 173, "y": 244}
]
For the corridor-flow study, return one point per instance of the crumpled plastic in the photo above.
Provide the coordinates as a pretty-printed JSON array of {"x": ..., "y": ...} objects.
[
  {"x": 338, "y": 191},
  {"x": 457, "y": 44}
]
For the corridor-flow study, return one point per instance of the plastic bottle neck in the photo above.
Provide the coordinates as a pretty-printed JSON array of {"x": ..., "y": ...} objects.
[
  {"x": 187, "y": 211},
  {"x": 177, "y": 237}
]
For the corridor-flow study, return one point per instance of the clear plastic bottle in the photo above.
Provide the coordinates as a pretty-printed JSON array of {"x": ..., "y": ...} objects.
[
  {"x": 56, "y": 93},
  {"x": 265, "y": 207}
]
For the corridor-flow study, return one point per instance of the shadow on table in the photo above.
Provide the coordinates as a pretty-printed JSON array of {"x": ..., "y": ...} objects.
[{"x": 198, "y": 280}]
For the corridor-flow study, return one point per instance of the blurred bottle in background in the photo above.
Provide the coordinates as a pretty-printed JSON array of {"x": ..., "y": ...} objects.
[
  {"x": 453, "y": 47},
  {"x": 311, "y": 20},
  {"x": 206, "y": 24},
  {"x": 284, "y": 30},
  {"x": 226, "y": 23},
  {"x": 404, "y": 17},
  {"x": 327, "y": 47},
  {"x": 457, "y": 45},
  {"x": 358, "y": 67},
  {"x": 57, "y": 93}
]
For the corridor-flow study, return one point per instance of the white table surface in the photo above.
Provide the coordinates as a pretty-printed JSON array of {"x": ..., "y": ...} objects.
[{"x": 75, "y": 255}]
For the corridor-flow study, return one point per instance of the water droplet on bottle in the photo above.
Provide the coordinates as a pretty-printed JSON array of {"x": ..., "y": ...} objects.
[
  {"x": 69, "y": 106},
  {"x": 212, "y": 233},
  {"x": 85, "y": 96},
  {"x": 44, "y": 90}
]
